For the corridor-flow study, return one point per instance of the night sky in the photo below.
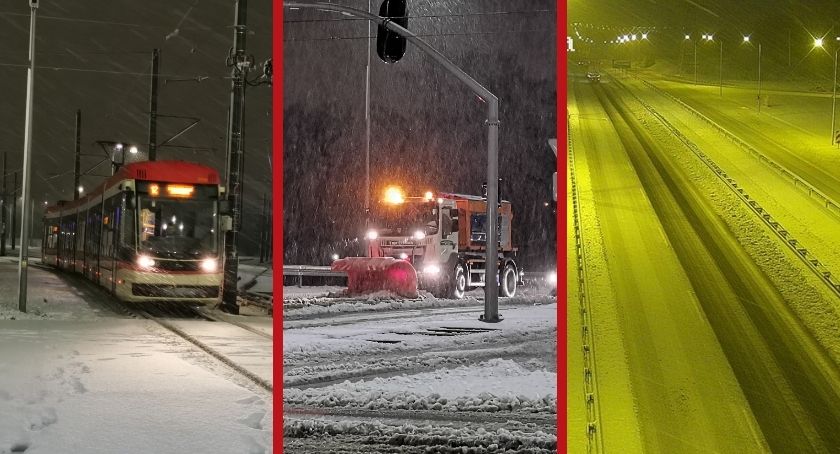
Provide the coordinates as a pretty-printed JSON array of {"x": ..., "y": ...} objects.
[
  {"x": 96, "y": 56},
  {"x": 786, "y": 29},
  {"x": 427, "y": 128}
]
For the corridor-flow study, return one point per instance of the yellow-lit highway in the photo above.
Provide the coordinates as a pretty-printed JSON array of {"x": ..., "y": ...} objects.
[{"x": 709, "y": 333}]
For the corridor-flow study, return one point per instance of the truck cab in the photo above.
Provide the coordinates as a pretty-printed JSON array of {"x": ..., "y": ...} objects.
[{"x": 443, "y": 237}]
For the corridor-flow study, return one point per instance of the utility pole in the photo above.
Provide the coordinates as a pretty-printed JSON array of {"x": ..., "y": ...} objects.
[
  {"x": 3, "y": 212},
  {"x": 27, "y": 162},
  {"x": 77, "y": 166},
  {"x": 239, "y": 63},
  {"x": 153, "y": 105}
]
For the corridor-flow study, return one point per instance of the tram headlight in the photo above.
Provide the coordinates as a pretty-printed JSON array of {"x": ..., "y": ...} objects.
[
  {"x": 552, "y": 278},
  {"x": 144, "y": 261},
  {"x": 419, "y": 235},
  {"x": 209, "y": 265},
  {"x": 372, "y": 235}
]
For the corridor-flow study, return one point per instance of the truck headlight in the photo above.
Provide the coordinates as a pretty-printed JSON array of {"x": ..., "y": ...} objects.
[
  {"x": 431, "y": 269},
  {"x": 209, "y": 265},
  {"x": 144, "y": 261}
]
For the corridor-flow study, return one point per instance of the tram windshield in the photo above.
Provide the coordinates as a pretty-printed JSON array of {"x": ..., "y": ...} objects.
[{"x": 178, "y": 228}]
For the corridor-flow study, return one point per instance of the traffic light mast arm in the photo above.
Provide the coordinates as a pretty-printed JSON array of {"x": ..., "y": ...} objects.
[{"x": 491, "y": 288}]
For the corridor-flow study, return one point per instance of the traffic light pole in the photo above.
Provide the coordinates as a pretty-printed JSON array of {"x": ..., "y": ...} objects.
[
  {"x": 491, "y": 273},
  {"x": 240, "y": 64}
]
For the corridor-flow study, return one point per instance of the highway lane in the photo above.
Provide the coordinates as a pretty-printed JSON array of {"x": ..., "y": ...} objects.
[
  {"x": 791, "y": 385},
  {"x": 680, "y": 407}
]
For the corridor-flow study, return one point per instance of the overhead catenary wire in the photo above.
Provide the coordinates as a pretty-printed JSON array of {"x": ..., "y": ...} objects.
[
  {"x": 424, "y": 16},
  {"x": 422, "y": 35}
]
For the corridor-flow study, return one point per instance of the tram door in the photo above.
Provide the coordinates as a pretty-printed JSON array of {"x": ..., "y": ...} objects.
[
  {"x": 110, "y": 234},
  {"x": 94, "y": 229}
]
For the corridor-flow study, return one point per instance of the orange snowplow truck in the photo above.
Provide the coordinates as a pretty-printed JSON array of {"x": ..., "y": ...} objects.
[{"x": 435, "y": 242}]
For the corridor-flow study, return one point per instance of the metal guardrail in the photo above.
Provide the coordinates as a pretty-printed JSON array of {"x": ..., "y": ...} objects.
[
  {"x": 592, "y": 398},
  {"x": 807, "y": 257},
  {"x": 832, "y": 206},
  {"x": 301, "y": 271}
]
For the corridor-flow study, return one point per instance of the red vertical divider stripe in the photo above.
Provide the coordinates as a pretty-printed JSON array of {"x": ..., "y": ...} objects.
[
  {"x": 277, "y": 217},
  {"x": 562, "y": 327}
]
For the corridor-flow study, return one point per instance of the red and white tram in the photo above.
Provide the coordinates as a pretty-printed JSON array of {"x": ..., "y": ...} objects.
[{"x": 152, "y": 231}]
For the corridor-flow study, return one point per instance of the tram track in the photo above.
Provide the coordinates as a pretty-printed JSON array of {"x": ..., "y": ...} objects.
[
  {"x": 224, "y": 359},
  {"x": 162, "y": 313}
]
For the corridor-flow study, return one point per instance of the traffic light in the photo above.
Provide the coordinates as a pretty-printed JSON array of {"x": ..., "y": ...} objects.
[{"x": 390, "y": 46}]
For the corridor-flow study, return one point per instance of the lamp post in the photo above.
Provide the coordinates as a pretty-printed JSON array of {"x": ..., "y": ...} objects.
[
  {"x": 758, "y": 98},
  {"x": 819, "y": 43},
  {"x": 710, "y": 37},
  {"x": 694, "y": 42}
]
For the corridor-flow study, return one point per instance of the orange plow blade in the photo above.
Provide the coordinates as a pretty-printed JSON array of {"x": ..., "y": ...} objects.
[{"x": 373, "y": 274}]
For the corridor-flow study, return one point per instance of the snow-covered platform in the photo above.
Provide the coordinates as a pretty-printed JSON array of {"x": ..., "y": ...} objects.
[{"x": 78, "y": 376}]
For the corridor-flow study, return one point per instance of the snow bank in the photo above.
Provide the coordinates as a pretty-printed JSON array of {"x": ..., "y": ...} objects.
[
  {"x": 440, "y": 439},
  {"x": 297, "y": 308},
  {"x": 491, "y": 386}
]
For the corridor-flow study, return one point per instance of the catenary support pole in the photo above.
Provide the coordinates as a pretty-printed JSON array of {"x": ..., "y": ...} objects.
[
  {"x": 3, "y": 211},
  {"x": 491, "y": 275},
  {"x": 27, "y": 164},
  {"x": 153, "y": 105},
  {"x": 239, "y": 63},
  {"x": 13, "y": 231},
  {"x": 77, "y": 161}
]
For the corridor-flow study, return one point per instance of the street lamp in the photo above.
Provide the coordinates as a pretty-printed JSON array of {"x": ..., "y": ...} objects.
[
  {"x": 710, "y": 37},
  {"x": 818, "y": 42},
  {"x": 758, "y": 99}
]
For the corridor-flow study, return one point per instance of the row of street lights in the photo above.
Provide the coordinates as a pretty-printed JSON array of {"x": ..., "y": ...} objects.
[{"x": 818, "y": 43}]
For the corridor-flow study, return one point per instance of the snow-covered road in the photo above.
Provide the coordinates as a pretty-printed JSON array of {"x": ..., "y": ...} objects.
[{"x": 385, "y": 375}]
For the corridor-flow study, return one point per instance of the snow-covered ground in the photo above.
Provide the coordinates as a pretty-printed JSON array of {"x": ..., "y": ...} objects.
[
  {"x": 78, "y": 376},
  {"x": 377, "y": 373}
]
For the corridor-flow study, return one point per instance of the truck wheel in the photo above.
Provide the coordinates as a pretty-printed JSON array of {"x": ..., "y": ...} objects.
[
  {"x": 507, "y": 283},
  {"x": 458, "y": 287}
]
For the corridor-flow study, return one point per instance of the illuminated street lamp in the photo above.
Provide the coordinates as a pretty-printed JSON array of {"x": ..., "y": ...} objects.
[
  {"x": 710, "y": 37},
  {"x": 818, "y": 42},
  {"x": 758, "y": 99}
]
